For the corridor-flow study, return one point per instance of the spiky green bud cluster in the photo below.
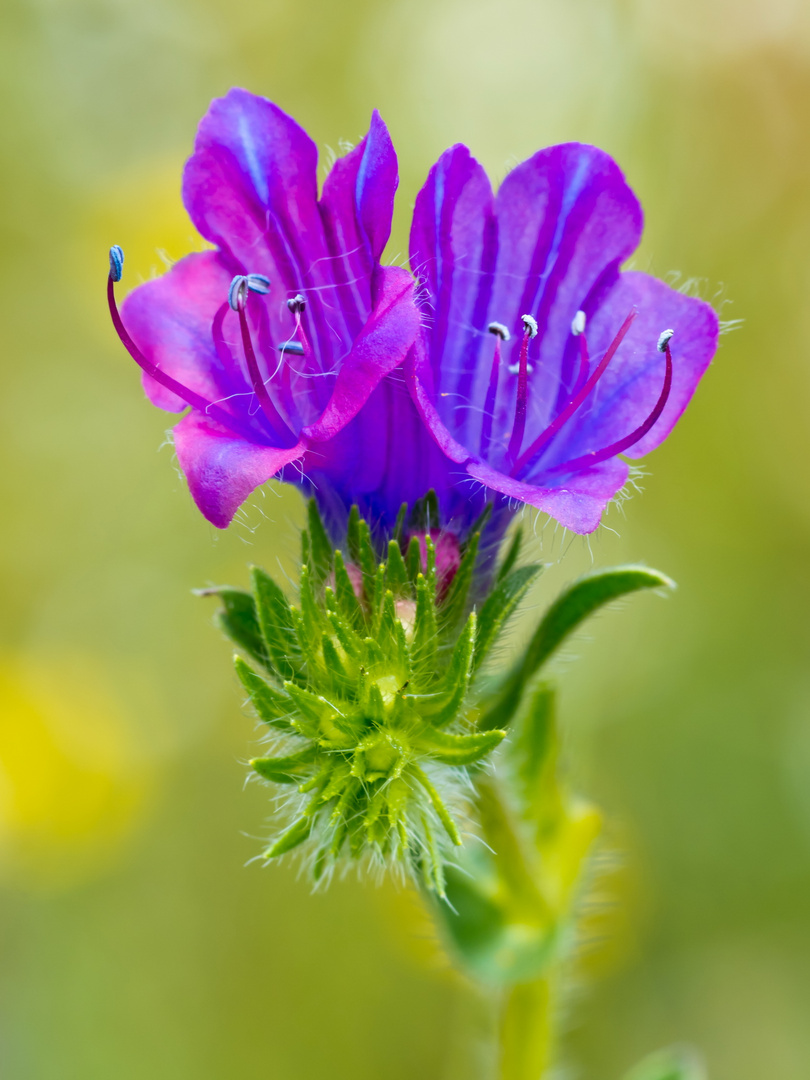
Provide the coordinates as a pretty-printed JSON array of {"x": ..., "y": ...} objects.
[{"x": 366, "y": 681}]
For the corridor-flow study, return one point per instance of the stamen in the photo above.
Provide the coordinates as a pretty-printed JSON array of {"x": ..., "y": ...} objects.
[
  {"x": 196, "y": 401},
  {"x": 500, "y": 333},
  {"x": 566, "y": 414},
  {"x": 519, "y": 426},
  {"x": 624, "y": 444},
  {"x": 237, "y": 298},
  {"x": 296, "y": 305},
  {"x": 240, "y": 285}
]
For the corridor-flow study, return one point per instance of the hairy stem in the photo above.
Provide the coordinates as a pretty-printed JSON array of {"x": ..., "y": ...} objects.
[{"x": 527, "y": 1030}]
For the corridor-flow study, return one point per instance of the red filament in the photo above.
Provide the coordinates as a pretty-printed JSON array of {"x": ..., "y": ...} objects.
[
  {"x": 196, "y": 401},
  {"x": 519, "y": 426},
  {"x": 593, "y": 458}
]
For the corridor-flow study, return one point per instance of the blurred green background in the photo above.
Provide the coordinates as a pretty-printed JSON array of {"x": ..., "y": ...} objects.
[{"x": 134, "y": 940}]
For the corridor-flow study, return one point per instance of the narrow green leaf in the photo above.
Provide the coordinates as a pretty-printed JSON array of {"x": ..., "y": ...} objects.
[
  {"x": 311, "y": 612},
  {"x": 237, "y": 619},
  {"x": 396, "y": 573},
  {"x": 342, "y": 682},
  {"x": 441, "y": 707},
  {"x": 512, "y": 553},
  {"x": 368, "y": 561},
  {"x": 568, "y": 612},
  {"x": 499, "y": 606},
  {"x": 432, "y": 866},
  {"x": 399, "y": 524},
  {"x": 582, "y": 599},
  {"x": 423, "y": 646},
  {"x": 480, "y": 523},
  {"x": 534, "y": 749},
  {"x": 455, "y": 603},
  {"x": 285, "y": 770},
  {"x": 291, "y": 838},
  {"x": 275, "y": 620},
  {"x": 353, "y": 535},
  {"x": 271, "y": 705},
  {"x": 460, "y": 749},
  {"x": 348, "y": 604},
  {"x": 312, "y": 707},
  {"x": 432, "y": 516},
  {"x": 350, "y": 642},
  {"x": 320, "y": 544},
  {"x": 413, "y": 559},
  {"x": 442, "y": 812}
]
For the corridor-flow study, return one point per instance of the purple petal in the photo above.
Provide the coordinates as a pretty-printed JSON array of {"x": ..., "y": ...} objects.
[
  {"x": 453, "y": 248},
  {"x": 174, "y": 321},
  {"x": 222, "y": 470},
  {"x": 628, "y": 390},
  {"x": 357, "y": 205},
  {"x": 567, "y": 220},
  {"x": 251, "y": 188},
  {"x": 578, "y": 504},
  {"x": 382, "y": 346}
]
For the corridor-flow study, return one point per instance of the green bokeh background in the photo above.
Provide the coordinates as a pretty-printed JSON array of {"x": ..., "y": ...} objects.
[{"x": 134, "y": 940}]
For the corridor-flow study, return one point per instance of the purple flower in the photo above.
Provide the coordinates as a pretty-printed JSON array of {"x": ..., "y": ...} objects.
[
  {"x": 543, "y": 361},
  {"x": 278, "y": 338}
]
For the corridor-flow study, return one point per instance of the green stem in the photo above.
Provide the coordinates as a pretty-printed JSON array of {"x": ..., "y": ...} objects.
[{"x": 527, "y": 1030}]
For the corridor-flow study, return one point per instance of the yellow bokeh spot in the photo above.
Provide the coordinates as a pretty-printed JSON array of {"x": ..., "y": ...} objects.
[{"x": 72, "y": 783}]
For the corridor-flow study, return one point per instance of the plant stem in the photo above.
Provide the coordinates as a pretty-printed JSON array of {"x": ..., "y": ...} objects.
[{"x": 526, "y": 1030}]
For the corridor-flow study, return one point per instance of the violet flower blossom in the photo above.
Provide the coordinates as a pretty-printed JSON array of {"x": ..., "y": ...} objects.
[
  {"x": 543, "y": 362},
  {"x": 302, "y": 358},
  {"x": 277, "y": 339}
]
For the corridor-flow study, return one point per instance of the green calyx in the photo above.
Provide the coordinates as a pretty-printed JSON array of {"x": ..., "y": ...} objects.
[{"x": 365, "y": 682}]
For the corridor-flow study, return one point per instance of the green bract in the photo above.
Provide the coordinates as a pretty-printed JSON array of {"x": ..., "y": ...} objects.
[{"x": 366, "y": 681}]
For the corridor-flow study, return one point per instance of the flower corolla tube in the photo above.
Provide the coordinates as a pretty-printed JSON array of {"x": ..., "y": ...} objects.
[{"x": 516, "y": 364}]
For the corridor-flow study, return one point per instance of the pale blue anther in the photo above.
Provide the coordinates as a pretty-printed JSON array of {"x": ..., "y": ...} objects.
[
  {"x": 116, "y": 262},
  {"x": 238, "y": 288},
  {"x": 294, "y": 347},
  {"x": 258, "y": 283},
  {"x": 665, "y": 339}
]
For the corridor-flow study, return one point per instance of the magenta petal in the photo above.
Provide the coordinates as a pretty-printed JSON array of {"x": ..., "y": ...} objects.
[
  {"x": 222, "y": 470},
  {"x": 382, "y": 346},
  {"x": 578, "y": 504},
  {"x": 356, "y": 207},
  {"x": 171, "y": 317}
]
